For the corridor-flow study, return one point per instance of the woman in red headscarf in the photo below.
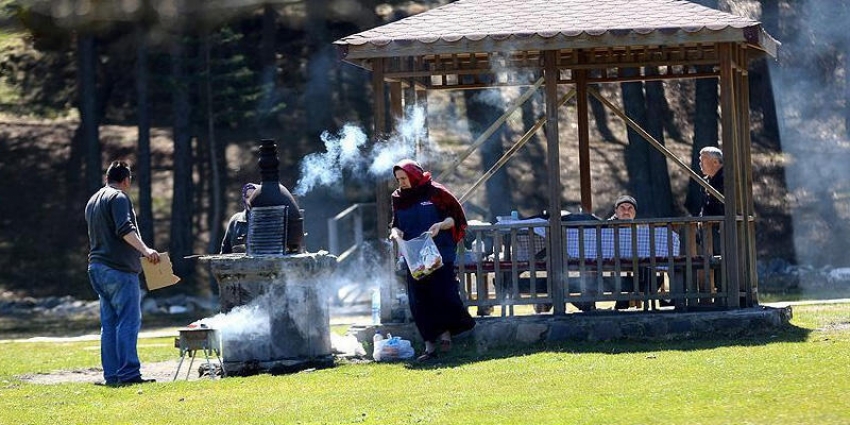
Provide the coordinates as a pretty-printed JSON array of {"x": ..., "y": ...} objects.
[{"x": 421, "y": 205}]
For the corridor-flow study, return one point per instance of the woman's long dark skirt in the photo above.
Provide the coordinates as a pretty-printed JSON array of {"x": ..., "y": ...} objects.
[{"x": 436, "y": 304}]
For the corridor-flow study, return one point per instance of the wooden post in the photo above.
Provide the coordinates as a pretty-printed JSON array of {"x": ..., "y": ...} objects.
[
  {"x": 751, "y": 275},
  {"x": 583, "y": 139},
  {"x": 396, "y": 102},
  {"x": 421, "y": 99},
  {"x": 553, "y": 162},
  {"x": 731, "y": 169},
  {"x": 382, "y": 194}
]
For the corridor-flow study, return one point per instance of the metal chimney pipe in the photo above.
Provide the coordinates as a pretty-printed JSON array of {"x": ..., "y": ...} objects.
[{"x": 273, "y": 194}]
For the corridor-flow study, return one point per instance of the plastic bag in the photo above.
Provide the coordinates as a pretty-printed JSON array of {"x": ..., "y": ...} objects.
[
  {"x": 421, "y": 255},
  {"x": 391, "y": 349}
]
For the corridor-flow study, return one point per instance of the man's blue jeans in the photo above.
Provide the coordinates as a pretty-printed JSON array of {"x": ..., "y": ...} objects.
[{"x": 120, "y": 321}]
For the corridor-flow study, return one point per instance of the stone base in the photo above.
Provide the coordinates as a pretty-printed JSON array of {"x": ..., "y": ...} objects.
[
  {"x": 493, "y": 332},
  {"x": 277, "y": 367}
]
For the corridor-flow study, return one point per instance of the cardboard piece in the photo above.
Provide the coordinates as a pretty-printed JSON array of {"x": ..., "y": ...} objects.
[{"x": 159, "y": 275}]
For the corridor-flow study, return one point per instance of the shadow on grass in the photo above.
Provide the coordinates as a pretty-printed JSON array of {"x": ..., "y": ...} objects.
[{"x": 464, "y": 350}]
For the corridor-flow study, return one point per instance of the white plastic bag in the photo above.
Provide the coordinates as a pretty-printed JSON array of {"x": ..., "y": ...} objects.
[
  {"x": 421, "y": 255},
  {"x": 391, "y": 349}
]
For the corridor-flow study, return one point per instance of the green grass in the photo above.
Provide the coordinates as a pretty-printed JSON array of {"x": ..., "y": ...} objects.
[{"x": 800, "y": 375}]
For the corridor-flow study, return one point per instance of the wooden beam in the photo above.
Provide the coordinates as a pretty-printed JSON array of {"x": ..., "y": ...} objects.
[
  {"x": 750, "y": 261},
  {"x": 421, "y": 99},
  {"x": 553, "y": 162},
  {"x": 396, "y": 101},
  {"x": 583, "y": 139},
  {"x": 382, "y": 194},
  {"x": 380, "y": 116},
  {"x": 731, "y": 173}
]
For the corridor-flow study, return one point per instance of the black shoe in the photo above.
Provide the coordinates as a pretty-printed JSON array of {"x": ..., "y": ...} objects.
[{"x": 134, "y": 381}]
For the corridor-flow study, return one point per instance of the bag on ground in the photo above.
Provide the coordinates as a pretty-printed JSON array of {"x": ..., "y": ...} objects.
[{"x": 391, "y": 349}]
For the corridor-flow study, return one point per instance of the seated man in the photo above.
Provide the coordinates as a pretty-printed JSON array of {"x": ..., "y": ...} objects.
[{"x": 625, "y": 208}]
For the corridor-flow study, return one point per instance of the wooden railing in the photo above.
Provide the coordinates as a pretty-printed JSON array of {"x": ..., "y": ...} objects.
[
  {"x": 346, "y": 230},
  {"x": 647, "y": 263}
]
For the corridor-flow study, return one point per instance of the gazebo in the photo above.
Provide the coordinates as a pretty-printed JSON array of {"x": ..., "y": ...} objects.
[{"x": 545, "y": 44}]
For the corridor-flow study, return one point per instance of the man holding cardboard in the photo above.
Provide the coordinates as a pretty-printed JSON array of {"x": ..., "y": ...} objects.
[{"x": 114, "y": 267}]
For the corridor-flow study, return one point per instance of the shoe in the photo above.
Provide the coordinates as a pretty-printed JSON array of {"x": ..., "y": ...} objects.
[
  {"x": 426, "y": 357},
  {"x": 445, "y": 345},
  {"x": 134, "y": 381}
]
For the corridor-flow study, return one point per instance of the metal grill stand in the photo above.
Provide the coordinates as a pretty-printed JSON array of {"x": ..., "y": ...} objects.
[{"x": 193, "y": 339}]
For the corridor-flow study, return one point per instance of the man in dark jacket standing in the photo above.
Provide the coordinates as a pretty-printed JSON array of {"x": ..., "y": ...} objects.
[
  {"x": 711, "y": 165},
  {"x": 114, "y": 267}
]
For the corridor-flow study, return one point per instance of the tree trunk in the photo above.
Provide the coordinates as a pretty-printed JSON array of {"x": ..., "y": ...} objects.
[
  {"x": 181, "y": 203},
  {"x": 762, "y": 101},
  {"x": 216, "y": 202},
  {"x": 600, "y": 117},
  {"x": 143, "y": 167},
  {"x": 87, "y": 92},
  {"x": 637, "y": 151},
  {"x": 480, "y": 115},
  {"x": 317, "y": 93},
  {"x": 705, "y": 132},
  {"x": 844, "y": 50},
  {"x": 533, "y": 196},
  {"x": 268, "y": 71},
  {"x": 318, "y": 107},
  {"x": 661, "y": 202}
]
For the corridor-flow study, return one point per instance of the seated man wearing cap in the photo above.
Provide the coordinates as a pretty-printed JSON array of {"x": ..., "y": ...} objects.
[{"x": 625, "y": 208}]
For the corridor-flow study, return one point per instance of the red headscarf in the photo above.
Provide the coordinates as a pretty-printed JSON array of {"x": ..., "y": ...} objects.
[{"x": 421, "y": 186}]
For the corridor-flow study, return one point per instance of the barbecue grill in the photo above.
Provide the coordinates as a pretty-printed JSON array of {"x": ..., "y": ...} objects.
[
  {"x": 282, "y": 286},
  {"x": 192, "y": 340}
]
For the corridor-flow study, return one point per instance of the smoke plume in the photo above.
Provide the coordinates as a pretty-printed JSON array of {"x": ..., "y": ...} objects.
[{"x": 347, "y": 153}]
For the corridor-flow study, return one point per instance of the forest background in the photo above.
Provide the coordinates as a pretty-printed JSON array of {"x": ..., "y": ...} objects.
[{"x": 184, "y": 90}]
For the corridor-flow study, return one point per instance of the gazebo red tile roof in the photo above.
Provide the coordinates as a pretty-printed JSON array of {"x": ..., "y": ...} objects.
[{"x": 498, "y": 25}]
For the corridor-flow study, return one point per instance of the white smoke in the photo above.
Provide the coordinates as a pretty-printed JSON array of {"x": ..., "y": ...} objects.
[
  {"x": 243, "y": 323},
  {"x": 342, "y": 151},
  {"x": 347, "y": 152},
  {"x": 490, "y": 97}
]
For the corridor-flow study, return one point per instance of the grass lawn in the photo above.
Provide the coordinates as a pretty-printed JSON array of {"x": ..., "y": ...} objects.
[{"x": 800, "y": 375}]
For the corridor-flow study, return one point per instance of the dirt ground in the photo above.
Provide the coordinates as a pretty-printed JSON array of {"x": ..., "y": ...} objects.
[{"x": 161, "y": 371}]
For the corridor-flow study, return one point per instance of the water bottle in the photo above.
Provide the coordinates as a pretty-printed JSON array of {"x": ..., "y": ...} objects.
[
  {"x": 377, "y": 336},
  {"x": 376, "y": 306},
  {"x": 514, "y": 215}
]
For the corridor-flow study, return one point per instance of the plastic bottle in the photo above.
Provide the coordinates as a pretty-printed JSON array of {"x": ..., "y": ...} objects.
[
  {"x": 514, "y": 215},
  {"x": 377, "y": 336},
  {"x": 376, "y": 306}
]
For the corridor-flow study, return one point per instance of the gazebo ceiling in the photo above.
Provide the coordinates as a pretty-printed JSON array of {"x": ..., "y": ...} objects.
[{"x": 474, "y": 26}]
